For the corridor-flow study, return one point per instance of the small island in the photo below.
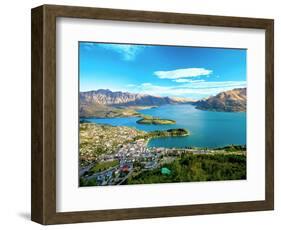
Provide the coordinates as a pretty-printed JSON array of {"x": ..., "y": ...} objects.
[
  {"x": 147, "y": 120},
  {"x": 169, "y": 133}
]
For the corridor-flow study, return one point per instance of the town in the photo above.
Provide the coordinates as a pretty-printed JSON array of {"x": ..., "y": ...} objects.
[{"x": 110, "y": 155}]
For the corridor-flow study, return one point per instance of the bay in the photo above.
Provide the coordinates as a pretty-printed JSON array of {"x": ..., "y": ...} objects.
[{"x": 207, "y": 128}]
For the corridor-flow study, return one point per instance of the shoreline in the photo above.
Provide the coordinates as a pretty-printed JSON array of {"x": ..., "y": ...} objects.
[
  {"x": 148, "y": 138},
  {"x": 129, "y": 147},
  {"x": 136, "y": 111}
]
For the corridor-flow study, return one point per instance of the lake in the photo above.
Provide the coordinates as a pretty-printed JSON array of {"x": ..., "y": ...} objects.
[{"x": 207, "y": 128}]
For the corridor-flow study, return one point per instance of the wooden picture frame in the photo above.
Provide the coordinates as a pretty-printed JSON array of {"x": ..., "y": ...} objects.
[{"x": 43, "y": 208}]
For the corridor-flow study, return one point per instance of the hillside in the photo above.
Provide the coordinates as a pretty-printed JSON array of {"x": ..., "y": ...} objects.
[
  {"x": 105, "y": 103},
  {"x": 228, "y": 101},
  {"x": 107, "y": 97}
]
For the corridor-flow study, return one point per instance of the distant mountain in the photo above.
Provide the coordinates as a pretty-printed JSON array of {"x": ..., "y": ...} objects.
[
  {"x": 105, "y": 103},
  {"x": 228, "y": 101},
  {"x": 107, "y": 97}
]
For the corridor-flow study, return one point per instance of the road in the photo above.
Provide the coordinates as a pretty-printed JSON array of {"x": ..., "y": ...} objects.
[
  {"x": 125, "y": 178},
  {"x": 102, "y": 173}
]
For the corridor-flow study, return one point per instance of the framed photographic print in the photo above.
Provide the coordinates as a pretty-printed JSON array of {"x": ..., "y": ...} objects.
[{"x": 140, "y": 114}]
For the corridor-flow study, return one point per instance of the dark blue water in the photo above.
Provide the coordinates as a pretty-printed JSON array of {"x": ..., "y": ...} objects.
[{"x": 207, "y": 129}]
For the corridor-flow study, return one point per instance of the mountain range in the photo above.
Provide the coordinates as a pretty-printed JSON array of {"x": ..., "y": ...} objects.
[
  {"x": 105, "y": 103},
  {"x": 107, "y": 97},
  {"x": 229, "y": 101}
]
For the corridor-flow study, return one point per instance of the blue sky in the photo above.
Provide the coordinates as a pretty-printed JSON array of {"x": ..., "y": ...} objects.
[{"x": 177, "y": 71}]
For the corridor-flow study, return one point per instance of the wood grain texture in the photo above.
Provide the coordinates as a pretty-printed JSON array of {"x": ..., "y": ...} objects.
[
  {"x": 269, "y": 114},
  {"x": 44, "y": 114},
  {"x": 37, "y": 116}
]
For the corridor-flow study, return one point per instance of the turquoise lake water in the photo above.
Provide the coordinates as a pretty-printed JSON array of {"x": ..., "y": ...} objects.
[{"x": 207, "y": 129}]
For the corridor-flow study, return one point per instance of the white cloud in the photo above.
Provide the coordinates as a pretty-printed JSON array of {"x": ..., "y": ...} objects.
[
  {"x": 146, "y": 84},
  {"x": 190, "y": 90},
  {"x": 214, "y": 84},
  {"x": 128, "y": 52},
  {"x": 183, "y": 80},
  {"x": 131, "y": 85},
  {"x": 183, "y": 73}
]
